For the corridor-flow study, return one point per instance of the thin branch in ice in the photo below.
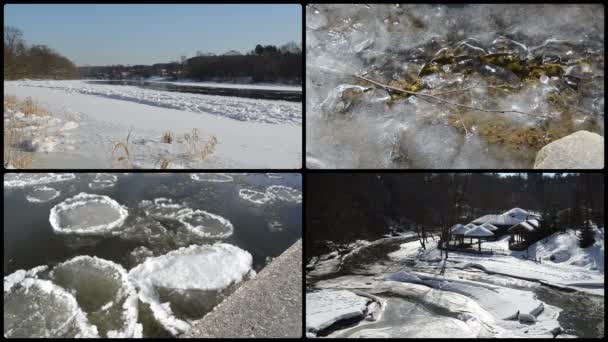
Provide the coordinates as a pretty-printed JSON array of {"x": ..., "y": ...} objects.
[{"x": 422, "y": 95}]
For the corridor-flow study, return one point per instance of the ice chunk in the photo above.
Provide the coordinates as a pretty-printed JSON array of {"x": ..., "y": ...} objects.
[
  {"x": 206, "y": 224},
  {"x": 103, "y": 290},
  {"x": 102, "y": 181},
  {"x": 19, "y": 180},
  {"x": 163, "y": 208},
  {"x": 212, "y": 177},
  {"x": 87, "y": 214},
  {"x": 285, "y": 193},
  {"x": 256, "y": 197},
  {"x": 404, "y": 277},
  {"x": 39, "y": 308},
  {"x": 185, "y": 275},
  {"x": 273, "y": 175},
  {"x": 42, "y": 194},
  {"x": 325, "y": 307}
]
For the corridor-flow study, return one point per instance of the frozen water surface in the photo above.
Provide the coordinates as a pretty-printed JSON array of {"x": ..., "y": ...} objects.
[
  {"x": 42, "y": 194},
  {"x": 19, "y": 180},
  {"x": 87, "y": 214},
  {"x": 38, "y": 308},
  {"x": 541, "y": 64},
  {"x": 185, "y": 272},
  {"x": 81, "y": 243}
]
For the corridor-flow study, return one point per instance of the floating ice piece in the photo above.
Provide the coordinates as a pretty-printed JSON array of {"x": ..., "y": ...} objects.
[
  {"x": 87, "y": 214},
  {"x": 212, "y": 177},
  {"x": 42, "y": 194},
  {"x": 275, "y": 226},
  {"x": 256, "y": 197},
  {"x": 404, "y": 277},
  {"x": 188, "y": 271},
  {"x": 39, "y": 308},
  {"x": 206, "y": 224},
  {"x": 325, "y": 307},
  {"x": 285, "y": 193},
  {"x": 273, "y": 175},
  {"x": 104, "y": 291},
  {"x": 19, "y": 180},
  {"x": 102, "y": 181},
  {"x": 164, "y": 208}
]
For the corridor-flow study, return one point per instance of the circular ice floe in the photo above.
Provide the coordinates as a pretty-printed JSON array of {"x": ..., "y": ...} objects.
[
  {"x": 87, "y": 214},
  {"x": 42, "y": 194},
  {"x": 19, "y": 180},
  {"x": 212, "y": 177},
  {"x": 285, "y": 193},
  {"x": 256, "y": 197},
  {"x": 103, "y": 290},
  {"x": 188, "y": 272},
  {"x": 205, "y": 224},
  {"x": 102, "y": 181},
  {"x": 38, "y": 308},
  {"x": 163, "y": 208}
]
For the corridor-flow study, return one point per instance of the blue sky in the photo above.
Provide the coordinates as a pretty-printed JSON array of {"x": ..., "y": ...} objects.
[{"x": 147, "y": 34}]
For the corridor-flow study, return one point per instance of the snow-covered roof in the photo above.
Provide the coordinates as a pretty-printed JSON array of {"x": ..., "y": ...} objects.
[
  {"x": 489, "y": 226},
  {"x": 525, "y": 225},
  {"x": 478, "y": 231},
  {"x": 533, "y": 222},
  {"x": 459, "y": 229},
  {"x": 508, "y": 218},
  {"x": 457, "y": 225},
  {"x": 470, "y": 226}
]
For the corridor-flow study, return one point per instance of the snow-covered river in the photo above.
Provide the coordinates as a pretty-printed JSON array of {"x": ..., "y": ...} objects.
[
  {"x": 136, "y": 254},
  {"x": 392, "y": 288}
]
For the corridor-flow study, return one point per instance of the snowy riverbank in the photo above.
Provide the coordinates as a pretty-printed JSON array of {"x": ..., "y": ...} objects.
[
  {"x": 464, "y": 296},
  {"x": 250, "y": 133}
]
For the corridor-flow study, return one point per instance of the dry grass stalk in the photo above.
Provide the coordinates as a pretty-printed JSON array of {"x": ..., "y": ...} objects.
[
  {"x": 126, "y": 157},
  {"x": 168, "y": 137},
  {"x": 193, "y": 143},
  {"x": 29, "y": 107},
  {"x": 163, "y": 163}
]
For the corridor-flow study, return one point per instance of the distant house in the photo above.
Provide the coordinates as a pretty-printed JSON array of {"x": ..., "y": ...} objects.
[
  {"x": 508, "y": 219},
  {"x": 521, "y": 232}
]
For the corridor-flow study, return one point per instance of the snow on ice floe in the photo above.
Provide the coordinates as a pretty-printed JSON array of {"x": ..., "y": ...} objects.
[
  {"x": 206, "y": 224},
  {"x": 188, "y": 272},
  {"x": 19, "y": 180},
  {"x": 87, "y": 214},
  {"x": 102, "y": 181},
  {"x": 285, "y": 193},
  {"x": 212, "y": 177},
  {"x": 42, "y": 194},
  {"x": 326, "y": 307},
  {"x": 163, "y": 207},
  {"x": 38, "y": 308},
  {"x": 254, "y": 196},
  {"x": 104, "y": 292}
]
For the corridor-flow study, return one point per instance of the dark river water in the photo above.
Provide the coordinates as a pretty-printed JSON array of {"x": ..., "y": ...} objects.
[
  {"x": 266, "y": 94},
  {"x": 262, "y": 230}
]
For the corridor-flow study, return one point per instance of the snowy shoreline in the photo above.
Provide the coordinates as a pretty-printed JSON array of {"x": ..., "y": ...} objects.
[
  {"x": 467, "y": 295},
  {"x": 250, "y": 133}
]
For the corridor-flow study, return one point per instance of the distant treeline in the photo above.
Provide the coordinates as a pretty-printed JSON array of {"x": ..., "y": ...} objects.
[
  {"x": 346, "y": 207},
  {"x": 263, "y": 64},
  {"x": 37, "y": 61}
]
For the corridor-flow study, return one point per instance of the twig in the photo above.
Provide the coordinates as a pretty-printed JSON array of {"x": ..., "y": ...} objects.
[
  {"x": 385, "y": 86},
  {"x": 499, "y": 86}
]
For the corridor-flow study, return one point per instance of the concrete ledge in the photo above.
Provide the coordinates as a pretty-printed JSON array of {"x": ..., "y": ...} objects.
[{"x": 270, "y": 305}]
